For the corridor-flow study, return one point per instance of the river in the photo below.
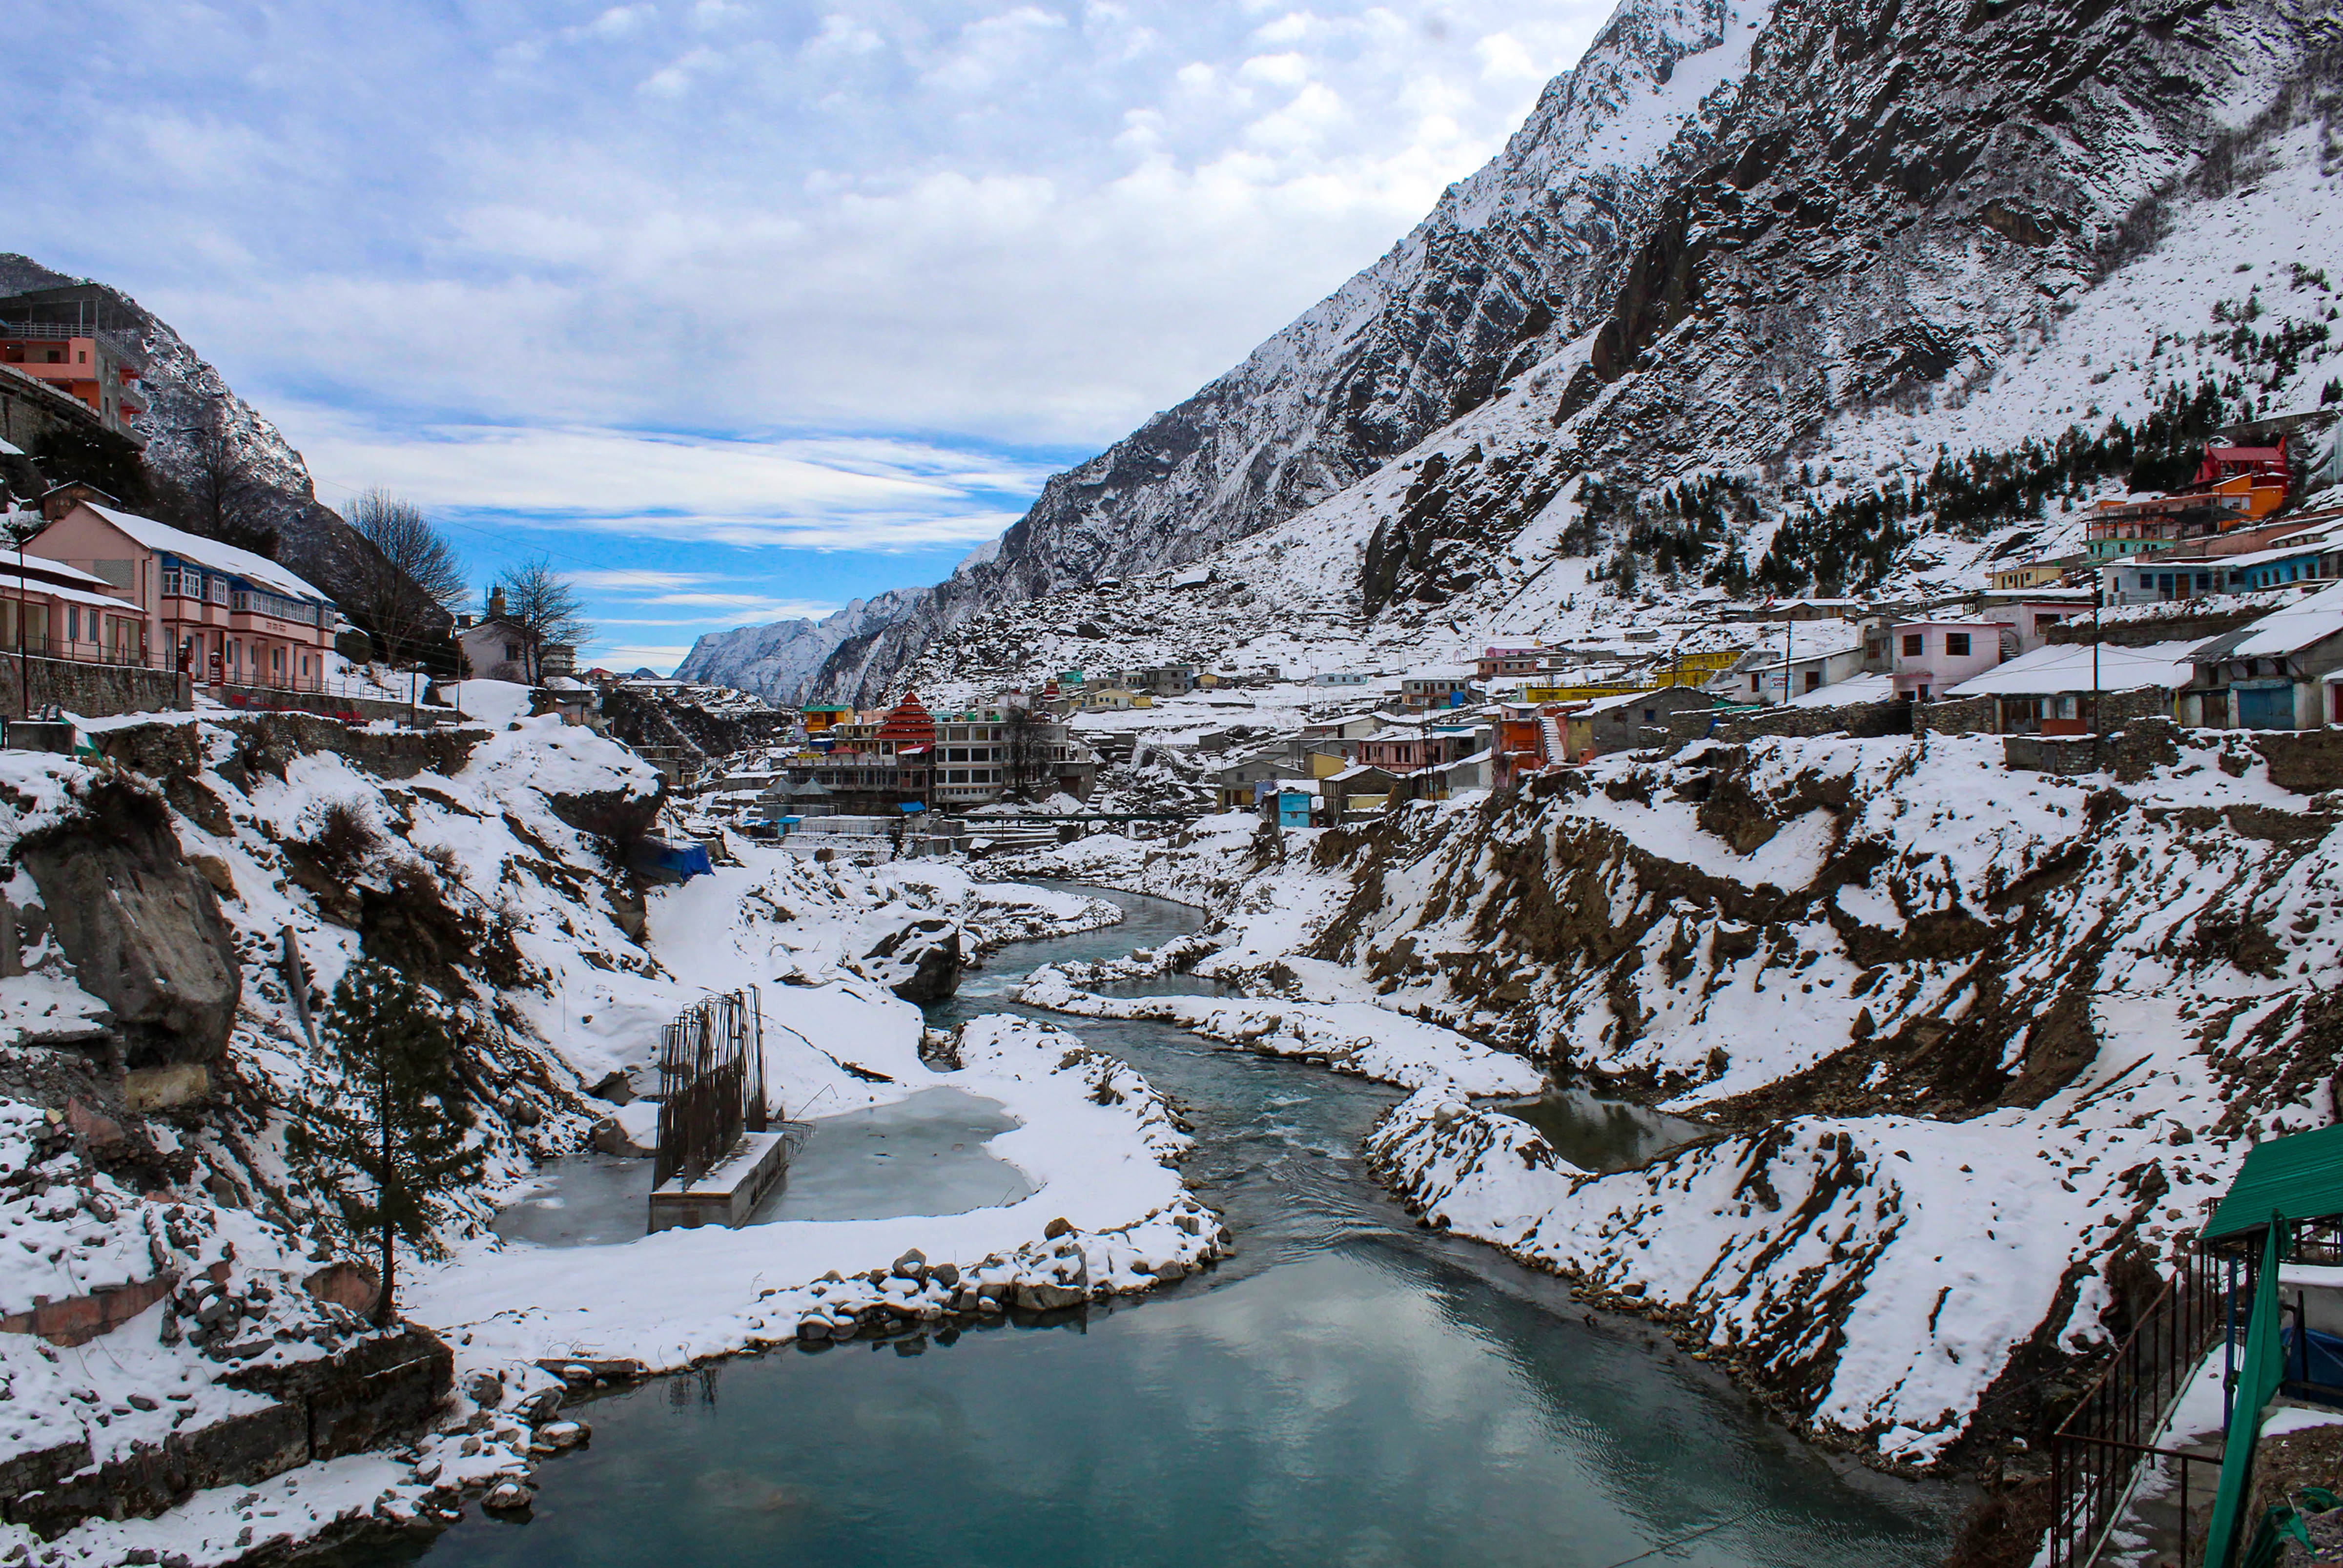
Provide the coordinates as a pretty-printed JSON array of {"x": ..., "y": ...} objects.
[{"x": 1348, "y": 1388}]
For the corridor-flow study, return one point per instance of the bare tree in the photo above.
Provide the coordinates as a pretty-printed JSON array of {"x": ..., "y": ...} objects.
[
  {"x": 546, "y": 609},
  {"x": 405, "y": 588},
  {"x": 1026, "y": 734},
  {"x": 218, "y": 495}
]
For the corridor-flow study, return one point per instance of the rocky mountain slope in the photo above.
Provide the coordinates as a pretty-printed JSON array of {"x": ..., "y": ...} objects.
[
  {"x": 778, "y": 661},
  {"x": 1735, "y": 240},
  {"x": 182, "y": 391},
  {"x": 1968, "y": 1077}
]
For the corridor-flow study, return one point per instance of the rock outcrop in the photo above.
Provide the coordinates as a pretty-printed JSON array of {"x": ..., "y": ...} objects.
[
  {"x": 141, "y": 926},
  {"x": 920, "y": 962}
]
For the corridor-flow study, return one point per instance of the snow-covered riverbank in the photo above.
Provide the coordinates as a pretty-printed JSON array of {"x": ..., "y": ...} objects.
[
  {"x": 1977, "y": 1041},
  {"x": 483, "y": 861}
]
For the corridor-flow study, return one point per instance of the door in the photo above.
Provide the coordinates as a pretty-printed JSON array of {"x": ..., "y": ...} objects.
[{"x": 2265, "y": 706}]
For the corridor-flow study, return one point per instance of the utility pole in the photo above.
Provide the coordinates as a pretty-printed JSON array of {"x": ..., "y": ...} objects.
[
  {"x": 23, "y": 671},
  {"x": 2098, "y": 593}
]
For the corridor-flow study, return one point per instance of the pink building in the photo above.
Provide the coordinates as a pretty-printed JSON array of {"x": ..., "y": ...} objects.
[
  {"x": 1927, "y": 658},
  {"x": 50, "y": 610},
  {"x": 225, "y": 616}
]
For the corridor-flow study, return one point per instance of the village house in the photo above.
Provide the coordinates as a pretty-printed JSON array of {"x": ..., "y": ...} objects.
[
  {"x": 1162, "y": 679},
  {"x": 2270, "y": 674},
  {"x": 51, "y": 611},
  {"x": 2150, "y": 522},
  {"x": 1759, "y": 678},
  {"x": 495, "y": 649},
  {"x": 2061, "y": 688},
  {"x": 1437, "y": 686},
  {"x": 1240, "y": 783},
  {"x": 1363, "y": 790},
  {"x": 818, "y": 717},
  {"x": 1928, "y": 658},
  {"x": 1407, "y": 750},
  {"x": 1511, "y": 658},
  {"x": 224, "y": 615},
  {"x": 1339, "y": 677},
  {"x": 2030, "y": 575},
  {"x": 1630, "y": 721}
]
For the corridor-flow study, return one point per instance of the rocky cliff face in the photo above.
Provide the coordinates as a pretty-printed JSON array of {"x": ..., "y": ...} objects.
[
  {"x": 1728, "y": 227},
  {"x": 182, "y": 390}
]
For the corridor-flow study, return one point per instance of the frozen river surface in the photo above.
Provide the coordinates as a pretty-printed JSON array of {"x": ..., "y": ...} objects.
[{"x": 1349, "y": 1389}]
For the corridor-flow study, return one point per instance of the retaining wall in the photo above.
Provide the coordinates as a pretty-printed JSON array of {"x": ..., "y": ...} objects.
[
  {"x": 28, "y": 684},
  {"x": 380, "y": 1389}
]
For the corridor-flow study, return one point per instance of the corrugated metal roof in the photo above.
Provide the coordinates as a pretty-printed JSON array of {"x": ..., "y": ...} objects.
[{"x": 2299, "y": 1176}]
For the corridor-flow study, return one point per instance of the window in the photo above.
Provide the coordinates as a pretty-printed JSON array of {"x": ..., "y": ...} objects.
[
  {"x": 1956, "y": 644},
  {"x": 512, "y": 651},
  {"x": 73, "y": 623},
  {"x": 1913, "y": 643}
]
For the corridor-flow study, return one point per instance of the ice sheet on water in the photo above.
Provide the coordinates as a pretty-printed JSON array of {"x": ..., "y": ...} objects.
[{"x": 920, "y": 1155}]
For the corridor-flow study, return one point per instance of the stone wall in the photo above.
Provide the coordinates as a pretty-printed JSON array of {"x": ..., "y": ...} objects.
[
  {"x": 1890, "y": 716},
  {"x": 2194, "y": 626},
  {"x": 2307, "y": 761},
  {"x": 1956, "y": 716},
  {"x": 92, "y": 691},
  {"x": 375, "y": 1392},
  {"x": 2129, "y": 753},
  {"x": 175, "y": 752},
  {"x": 355, "y": 710}
]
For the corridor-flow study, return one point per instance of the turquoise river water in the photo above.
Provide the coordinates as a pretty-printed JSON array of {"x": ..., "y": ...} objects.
[{"x": 1348, "y": 1388}]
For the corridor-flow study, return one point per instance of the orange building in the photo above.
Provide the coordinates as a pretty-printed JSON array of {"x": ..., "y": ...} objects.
[{"x": 78, "y": 363}]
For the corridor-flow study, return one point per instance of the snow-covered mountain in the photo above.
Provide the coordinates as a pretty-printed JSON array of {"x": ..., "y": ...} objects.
[
  {"x": 776, "y": 661},
  {"x": 1778, "y": 257}
]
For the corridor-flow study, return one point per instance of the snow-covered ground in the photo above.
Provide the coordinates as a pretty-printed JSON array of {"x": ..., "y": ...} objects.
[
  {"x": 1969, "y": 1033},
  {"x": 481, "y": 860}
]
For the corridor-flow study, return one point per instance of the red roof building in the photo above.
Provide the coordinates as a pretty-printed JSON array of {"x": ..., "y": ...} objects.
[{"x": 907, "y": 725}]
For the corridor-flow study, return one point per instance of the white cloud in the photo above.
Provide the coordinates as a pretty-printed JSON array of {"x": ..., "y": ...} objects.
[
  {"x": 618, "y": 21},
  {"x": 809, "y": 493},
  {"x": 1020, "y": 225}
]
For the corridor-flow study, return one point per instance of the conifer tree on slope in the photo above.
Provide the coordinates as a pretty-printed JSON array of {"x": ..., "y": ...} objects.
[{"x": 387, "y": 1141}]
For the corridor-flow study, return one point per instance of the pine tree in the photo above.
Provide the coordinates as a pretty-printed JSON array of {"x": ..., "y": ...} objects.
[{"x": 386, "y": 1141}]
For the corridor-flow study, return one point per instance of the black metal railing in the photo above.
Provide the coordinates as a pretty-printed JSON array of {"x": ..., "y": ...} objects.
[
  {"x": 711, "y": 1084},
  {"x": 2108, "y": 1442}
]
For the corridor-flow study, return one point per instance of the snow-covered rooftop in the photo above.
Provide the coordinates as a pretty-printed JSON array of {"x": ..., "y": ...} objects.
[
  {"x": 2283, "y": 629},
  {"x": 2066, "y": 667},
  {"x": 207, "y": 552}
]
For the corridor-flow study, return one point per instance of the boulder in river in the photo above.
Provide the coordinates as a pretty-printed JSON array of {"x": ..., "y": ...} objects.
[{"x": 922, "y": 962}]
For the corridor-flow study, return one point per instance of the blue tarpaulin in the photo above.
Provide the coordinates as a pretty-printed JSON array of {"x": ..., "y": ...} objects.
[{"x": 676, "y": 859}]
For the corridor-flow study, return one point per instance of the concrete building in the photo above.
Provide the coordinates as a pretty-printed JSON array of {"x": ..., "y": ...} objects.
[
  {"x": 1437, "y": 686},
  {"x": 1928, "y": 658},
  {"x": 224, "y": 615},
  {"x": 53, "y": 335}
]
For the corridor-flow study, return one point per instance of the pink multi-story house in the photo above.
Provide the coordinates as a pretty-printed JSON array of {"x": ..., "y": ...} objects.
[{"x": 224, "y": 615}]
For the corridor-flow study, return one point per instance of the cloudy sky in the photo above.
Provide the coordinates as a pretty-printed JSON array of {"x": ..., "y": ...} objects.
[{"x": 739, "y": 308}]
